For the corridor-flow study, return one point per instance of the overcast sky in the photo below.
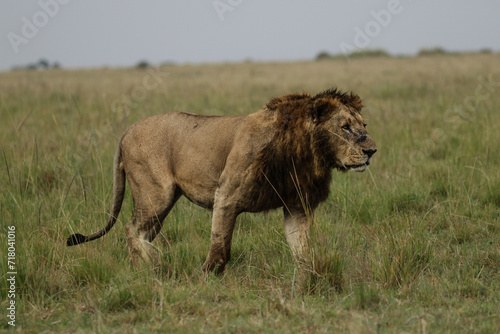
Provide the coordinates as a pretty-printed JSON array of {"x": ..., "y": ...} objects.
[{"x": 94, "y": 33}]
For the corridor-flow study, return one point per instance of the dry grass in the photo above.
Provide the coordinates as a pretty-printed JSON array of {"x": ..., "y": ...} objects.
[{"x": 412, "y": 245}]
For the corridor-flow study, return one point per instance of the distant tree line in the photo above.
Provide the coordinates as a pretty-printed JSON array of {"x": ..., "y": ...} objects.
[
  {"x": 366, "y": 53},
  {"x": 142, "y": 65},
  {"x": 42, "y": 64}
]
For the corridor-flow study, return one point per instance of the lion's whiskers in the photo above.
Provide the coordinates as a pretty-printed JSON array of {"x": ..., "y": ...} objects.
[{"x": 346, "y": 141}]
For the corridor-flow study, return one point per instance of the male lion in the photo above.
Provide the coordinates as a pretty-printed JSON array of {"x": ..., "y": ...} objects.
[{"x": 280, "y": 156}]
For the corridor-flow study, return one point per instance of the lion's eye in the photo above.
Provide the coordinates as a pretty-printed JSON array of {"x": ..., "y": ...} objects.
[
  {"x": 346, "y": 127},
  {"x": 364, "y": 125}
]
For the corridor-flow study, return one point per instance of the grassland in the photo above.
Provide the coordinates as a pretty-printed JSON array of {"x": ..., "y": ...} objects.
[{"x": 412, "y": 245}]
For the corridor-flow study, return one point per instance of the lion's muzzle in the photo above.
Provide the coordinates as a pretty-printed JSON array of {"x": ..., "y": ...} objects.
[{"x": 368, "y": 153}]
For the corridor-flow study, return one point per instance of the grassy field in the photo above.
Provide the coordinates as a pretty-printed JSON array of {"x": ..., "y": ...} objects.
[{"x": 412, "y": 245}]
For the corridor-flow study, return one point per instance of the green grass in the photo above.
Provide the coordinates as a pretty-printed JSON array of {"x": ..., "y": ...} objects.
[{"x": 411, "y": 245}]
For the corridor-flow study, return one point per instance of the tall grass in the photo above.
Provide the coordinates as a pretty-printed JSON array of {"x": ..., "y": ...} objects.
[
  {"x": 411, "y": 245},
  {"x": 400, "y": 257}
]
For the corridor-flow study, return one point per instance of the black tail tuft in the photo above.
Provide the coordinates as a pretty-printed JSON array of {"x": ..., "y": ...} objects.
[{"x": 75, "y": 239}]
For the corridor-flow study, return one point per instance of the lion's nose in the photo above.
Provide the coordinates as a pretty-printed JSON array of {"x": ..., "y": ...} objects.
[{"x": 369, "y": 152}]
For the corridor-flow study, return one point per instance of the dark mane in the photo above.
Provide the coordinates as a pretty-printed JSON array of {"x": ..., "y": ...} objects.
[
  {"x": 279, "y": 101},
  {"x": 289, "y": 166},
  {"x": 292, "y": 109},
  {"x": 293, "y": 165},
  {"x": 349, "y": 99}
]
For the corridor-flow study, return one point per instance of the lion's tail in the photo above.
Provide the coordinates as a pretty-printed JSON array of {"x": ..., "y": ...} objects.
[{"x": 118, "y": 194}]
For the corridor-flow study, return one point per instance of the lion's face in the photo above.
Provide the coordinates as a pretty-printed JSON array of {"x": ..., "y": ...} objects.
[{"x": 351, "y": 145}]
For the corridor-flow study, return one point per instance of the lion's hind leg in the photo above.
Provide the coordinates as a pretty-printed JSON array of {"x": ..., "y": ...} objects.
[
  {"x": 139, "y": 249},
  {"x": 150, "y": 210}
]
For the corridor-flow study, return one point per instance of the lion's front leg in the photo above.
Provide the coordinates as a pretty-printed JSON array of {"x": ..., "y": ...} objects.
[
  {"x": 223, "y": 220},
  {"x": 297, "y": 227}
]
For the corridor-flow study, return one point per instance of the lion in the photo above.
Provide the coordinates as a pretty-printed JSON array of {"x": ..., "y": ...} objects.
[{"x": 281, "y": 156}]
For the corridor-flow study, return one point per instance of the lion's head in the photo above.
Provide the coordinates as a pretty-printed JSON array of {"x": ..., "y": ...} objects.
[
  {"x": 328, "y": 125},
  {"x": 341, "y": 131},
  {"x": 312, "y": 135}
]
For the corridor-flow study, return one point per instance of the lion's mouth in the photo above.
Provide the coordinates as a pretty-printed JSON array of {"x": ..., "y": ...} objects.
[{"x": 358, "y": 168}]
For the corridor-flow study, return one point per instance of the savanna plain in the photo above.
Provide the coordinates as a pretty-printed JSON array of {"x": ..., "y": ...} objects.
[{"x": 411, "y": 245}]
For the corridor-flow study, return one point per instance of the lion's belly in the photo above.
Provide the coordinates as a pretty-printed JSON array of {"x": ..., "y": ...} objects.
[{"x": 200, "y": 191}]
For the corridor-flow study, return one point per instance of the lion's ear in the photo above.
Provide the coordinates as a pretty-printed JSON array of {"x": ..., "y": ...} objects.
[{"x": 322, "y": 109}]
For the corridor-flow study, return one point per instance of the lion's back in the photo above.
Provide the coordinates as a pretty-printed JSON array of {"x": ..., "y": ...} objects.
[{"x": 190, "y": 148}]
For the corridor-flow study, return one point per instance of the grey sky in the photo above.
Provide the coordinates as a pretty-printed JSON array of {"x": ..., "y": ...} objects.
[{"x": 94, "y": 33}]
